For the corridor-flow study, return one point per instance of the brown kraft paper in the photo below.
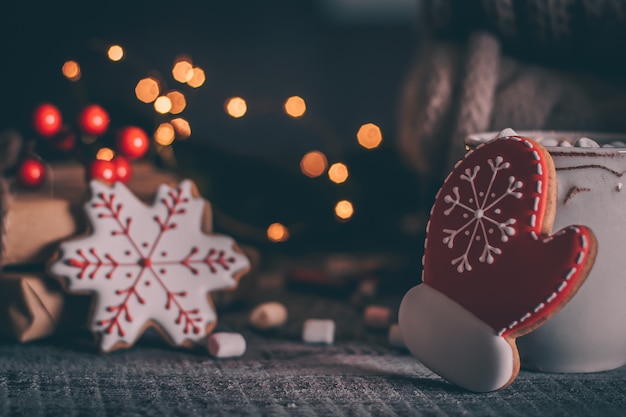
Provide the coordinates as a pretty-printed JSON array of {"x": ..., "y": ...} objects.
[
  {"x": 33, "y": 306},
  {"x": 33, "y": 226}
]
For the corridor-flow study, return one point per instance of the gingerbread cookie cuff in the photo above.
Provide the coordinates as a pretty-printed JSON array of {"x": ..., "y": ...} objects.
[{"x": 454, "y": 343}]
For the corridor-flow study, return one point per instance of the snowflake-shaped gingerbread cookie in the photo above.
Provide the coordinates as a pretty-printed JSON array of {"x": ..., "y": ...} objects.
[
  {"x": 149, "y": 265},
  {"x": 492, "y": 269}
]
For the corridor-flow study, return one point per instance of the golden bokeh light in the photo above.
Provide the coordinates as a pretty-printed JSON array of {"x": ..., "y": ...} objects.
[
  {"x": 178, "y": 101},
  {"x": 277, "y": 232},
  {"x": 295, "y": 106},
  {"x": 115, "y": 53},
  {"x": 197, "y": 78},
  {"x": 313, "y": 164},
  {"x": 147, "y": 90},
  {"x": 344, "y": 210},
  {"x": 236, "y": 107},
  {"x": 71, "y": 70},
  {"x": 182, "y": 70},
  {"x": 369, "y": 136},
  {"x": 182, "y": 128},
  {"x": 338, "y": 173},
  {"x": 162, "y": 104},
  {"x": 105, "y": 154},
  {"x": 164, "y": 134}
]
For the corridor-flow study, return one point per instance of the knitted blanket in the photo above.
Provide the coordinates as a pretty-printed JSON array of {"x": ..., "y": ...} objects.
[
  {"x": 526, "y": 64},
  {"x": 279, "y": 375}
]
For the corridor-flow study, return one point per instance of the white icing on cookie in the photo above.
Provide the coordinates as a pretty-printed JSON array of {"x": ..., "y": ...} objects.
[
  {"x": 452, "y": 342},
  {"x": 477, "y": 213},
  {"x": 149, "y": 264}
]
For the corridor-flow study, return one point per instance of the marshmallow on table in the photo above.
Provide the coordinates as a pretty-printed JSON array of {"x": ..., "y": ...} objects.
[
  {"x": 378, "y": 317},
  {"x": 395, "y": 336},
  {"x": 268, "y": 315},
  {"x": 226, "y": 345},
  {"x": 366, "y": 289},
  {"x": 318, "y": 331}
]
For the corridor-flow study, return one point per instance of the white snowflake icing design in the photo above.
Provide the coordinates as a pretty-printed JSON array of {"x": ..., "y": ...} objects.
[
  {"x": 478, "y": 212},
  {"x": 149, "y": 264}
]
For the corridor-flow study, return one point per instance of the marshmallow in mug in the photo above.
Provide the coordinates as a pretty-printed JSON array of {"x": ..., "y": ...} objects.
[{"x": 583, "y": 142}]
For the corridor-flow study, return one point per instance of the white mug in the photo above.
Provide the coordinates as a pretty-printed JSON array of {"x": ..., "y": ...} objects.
[{"x": 589, "y": 333}]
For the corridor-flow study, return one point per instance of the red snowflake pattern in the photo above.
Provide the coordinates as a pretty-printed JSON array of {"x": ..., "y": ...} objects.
[{"x": 149, "y": 264}]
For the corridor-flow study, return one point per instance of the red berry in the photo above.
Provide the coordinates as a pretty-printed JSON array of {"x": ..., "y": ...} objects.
[
  {"x": 123, "y": 169},
  {"x": 132, "y": 142},
  {"x": 102, "y": 170},
  {"x": 31, "y": 173},
  {"x": 47, "y": 120},
  {"x": 93, "y": 120}
]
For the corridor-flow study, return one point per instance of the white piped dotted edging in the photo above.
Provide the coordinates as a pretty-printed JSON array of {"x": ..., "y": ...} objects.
[
  {"x": 570, "y": 273},
  {"x": 536, "y": 200}
]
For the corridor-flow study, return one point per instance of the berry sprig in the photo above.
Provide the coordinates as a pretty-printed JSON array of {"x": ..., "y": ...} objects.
[{"x": 128, "y": 143}]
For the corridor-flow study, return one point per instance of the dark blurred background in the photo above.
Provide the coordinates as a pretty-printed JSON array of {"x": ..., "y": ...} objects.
[{"x": 346, "y": 58}]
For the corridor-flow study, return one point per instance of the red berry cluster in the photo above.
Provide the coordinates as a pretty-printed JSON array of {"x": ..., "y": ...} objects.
[{"x": 130, "y": 143}]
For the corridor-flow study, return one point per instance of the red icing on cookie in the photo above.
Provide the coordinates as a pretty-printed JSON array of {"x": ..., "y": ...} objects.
[{"x": 487, "y": 246}]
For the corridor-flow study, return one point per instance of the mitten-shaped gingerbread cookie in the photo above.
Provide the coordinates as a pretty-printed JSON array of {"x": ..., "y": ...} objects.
[{"x": 492, "y": 270}]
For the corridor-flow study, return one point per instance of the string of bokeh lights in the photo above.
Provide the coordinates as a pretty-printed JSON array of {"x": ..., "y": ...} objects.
[{"x": 173, "y": 102}]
